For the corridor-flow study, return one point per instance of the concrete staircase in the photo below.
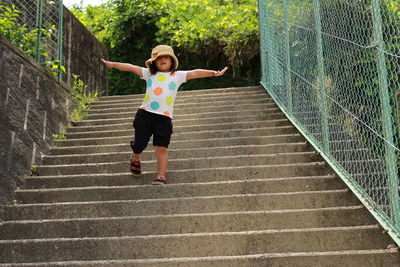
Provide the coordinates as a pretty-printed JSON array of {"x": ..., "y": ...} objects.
[{"x": 246, "y": 190}]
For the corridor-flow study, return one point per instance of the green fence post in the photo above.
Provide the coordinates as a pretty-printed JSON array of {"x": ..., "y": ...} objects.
[
  {"x": 321, "y": 76},
  {"x": 268, "y": 39},
  {"x": 39, "y": 9},
  {"x": 60, "y": 37},
  {"x": 262, "y": 36},
  {"x": 287, "y": 59},
  {"x": 390, "y": 157}
]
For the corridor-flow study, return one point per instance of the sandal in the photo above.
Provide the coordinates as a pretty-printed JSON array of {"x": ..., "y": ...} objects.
[
  {"x": 135, "y": 168},
  {"x": 159, "y": 181}
]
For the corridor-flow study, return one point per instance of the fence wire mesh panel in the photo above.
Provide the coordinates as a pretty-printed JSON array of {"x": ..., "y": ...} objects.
[
  {"x": 333, "y": 67},
  {"x": 34, "y": 26}
]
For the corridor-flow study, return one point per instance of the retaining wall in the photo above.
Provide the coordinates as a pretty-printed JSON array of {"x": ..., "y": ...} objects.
[{"x": 34, "y": 106}]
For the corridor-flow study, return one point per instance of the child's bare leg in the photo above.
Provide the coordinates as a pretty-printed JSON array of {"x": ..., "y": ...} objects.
[
  {"x": 162, "y": 161},
  {"x": 136, "y": 157}
]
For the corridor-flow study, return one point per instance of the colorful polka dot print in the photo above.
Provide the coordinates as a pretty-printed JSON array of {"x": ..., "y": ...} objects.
[
  {"x": 155, "y": 105},
  {"x": 169, "y": 100},
  {"x": 172, "y": 86},
  {"x": 158, "y": 91},
  {"x": 161, "y": 90},
  {"x": 161, "y": 78}
]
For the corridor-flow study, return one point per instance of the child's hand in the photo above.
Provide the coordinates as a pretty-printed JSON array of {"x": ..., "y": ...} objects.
[
  {"x": 221, "y": 72},
  {"x": 107, "y": 63}
]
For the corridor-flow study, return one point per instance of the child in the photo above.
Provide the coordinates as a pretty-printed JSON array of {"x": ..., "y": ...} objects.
[{"x": 155, "y": 114}]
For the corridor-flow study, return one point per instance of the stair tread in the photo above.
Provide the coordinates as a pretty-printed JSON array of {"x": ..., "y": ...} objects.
[
  {"x": 183, "y": 198},
  {"x": 210, "y": 234},
  {"x": 209, "y": 158},
  {"x": 180, "y": 184},
  {"x": 183, "y": 261},
  {"x": 182, "y": 215},
  {"x": 249, "y": 259}
]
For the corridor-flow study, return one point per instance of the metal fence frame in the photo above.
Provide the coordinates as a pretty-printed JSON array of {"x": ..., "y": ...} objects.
[
  {"x": 278, "y": 75},
  {"x": 43, "y": 15}
]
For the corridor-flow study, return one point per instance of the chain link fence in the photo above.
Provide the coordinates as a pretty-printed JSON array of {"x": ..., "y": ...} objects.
[
  {"x": 35, "y": 26},
  {"x": 333, "y": 67}
]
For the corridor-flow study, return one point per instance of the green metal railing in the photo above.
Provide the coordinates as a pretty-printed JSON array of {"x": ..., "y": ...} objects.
[
  {"x": 35, "y": 22},
  {"x": 333, "y": 66}
]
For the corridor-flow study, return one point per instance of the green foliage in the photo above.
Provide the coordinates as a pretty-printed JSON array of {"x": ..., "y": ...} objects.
[
  {"x": 55, "y": 66},
  {"x": 204, "y": 34},
  {"x": 26, "y": 39},
  {"x": 18, "y": 34},
  {"x": 205, "y": 25},
  {"x": 60, "y": 136},
  {"x": 82, "y": 99}
]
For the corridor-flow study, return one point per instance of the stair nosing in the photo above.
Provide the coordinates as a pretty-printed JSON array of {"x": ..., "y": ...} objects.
[
  {"x": 222, "y": 213},
  {"x": 314, "y": 163},
  {"x": 204, "y": 258},
  {"x": 97, "y": 187},
  {"x": 181, "y": 133},
  {"x": 279, "y": 112},
  {"x": 183, "y": 159},
  {"x": 184, "y": 133},
  {"x": 204, "y": 234},
  {"x": 178, "y": 126},
  {"x": 179, "y": 198},
  {"x": 221, "y": 106},
  {"x": 181, "y": 141},
  {"x": 171, "y": 150}
]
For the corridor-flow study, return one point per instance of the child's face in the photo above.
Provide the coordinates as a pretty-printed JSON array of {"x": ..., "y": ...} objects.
[{"x": 163, "y": 63}]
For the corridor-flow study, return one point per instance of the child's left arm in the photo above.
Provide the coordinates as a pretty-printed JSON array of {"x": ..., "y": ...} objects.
[{"x": 200, "y": 73}]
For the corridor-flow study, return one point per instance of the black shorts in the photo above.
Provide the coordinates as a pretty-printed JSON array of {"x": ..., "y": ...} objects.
[{"x": 147, "y": 124}]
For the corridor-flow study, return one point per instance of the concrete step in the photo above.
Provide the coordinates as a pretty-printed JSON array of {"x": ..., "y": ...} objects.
[
  {"x": 181, "y": 164},
  {"x": 182, "y": 205},
  {"x": 186, "y": 223},
  {"x": 191, "y": 99},
  {"x": 129, "y": 192},
  {"x": 195, "y": 120},
  {"x": 248, "y": 124},
  {"x": 184, "y": 144},
  {"x": 184, "y": 108},
  {"x": 177, "y": 153},
  {"x": 182, "y": 176},
  {"x": 128, "y": 130},
  {"x": 192, "y": 112},
  {"x": 195, "y": 245},
  {"x": 191, "y": 93},
  {"x": 344, "y": 258},
  {"x": 265, "y": 131},
  {"x": 210, "y": 92}
]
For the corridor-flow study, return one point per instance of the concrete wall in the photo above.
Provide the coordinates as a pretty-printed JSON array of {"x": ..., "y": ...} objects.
[
  {"x": 81, "y": 54},
  {"x": 33, "y": 106}
]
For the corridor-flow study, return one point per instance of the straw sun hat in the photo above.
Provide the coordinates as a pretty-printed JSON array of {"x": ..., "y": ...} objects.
[{"x": 162, "y": 50}]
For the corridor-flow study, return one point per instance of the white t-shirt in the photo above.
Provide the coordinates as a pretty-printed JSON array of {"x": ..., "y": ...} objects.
[{"x": 161, "y": 91}]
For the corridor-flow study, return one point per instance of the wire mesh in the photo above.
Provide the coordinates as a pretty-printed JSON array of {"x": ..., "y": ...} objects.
[
  {"x": 38, "y": 19},
  {"x": 333, "y": 67}
]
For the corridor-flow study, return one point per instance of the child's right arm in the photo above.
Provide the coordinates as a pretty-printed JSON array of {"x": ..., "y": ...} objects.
[{"x": 123, "y": 66}]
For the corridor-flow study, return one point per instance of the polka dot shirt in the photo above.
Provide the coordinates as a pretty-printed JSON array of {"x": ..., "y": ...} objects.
[{"x": 161, "y": 91}]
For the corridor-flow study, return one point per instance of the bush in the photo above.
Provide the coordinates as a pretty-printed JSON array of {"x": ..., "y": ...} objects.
[{"x": 203, "y": 33}]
